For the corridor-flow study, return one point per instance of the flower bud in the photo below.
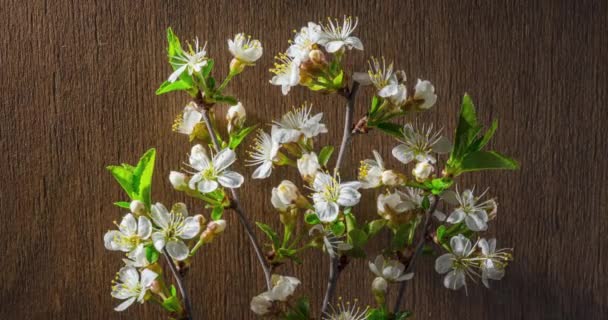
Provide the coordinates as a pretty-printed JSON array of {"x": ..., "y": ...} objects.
[
  {"x": 217, "y": 226},
  {"x": 308, "y": 165},
  {"x": 137, "y": 207},
  {"x": 235, "y": 117},
  {"x": 425, "y": 92},
  {"x": 317, "y": 56},
  {"x": 236, "y": 66},
  {"x": 178, "y": 180},
  {"x": 156, "y": 287},
  {"x": 379, "y": 286},
  {"x": 422, "y": 171},
  {"x": 287, "y": 192},
  {"x": 391, "y": 178}
]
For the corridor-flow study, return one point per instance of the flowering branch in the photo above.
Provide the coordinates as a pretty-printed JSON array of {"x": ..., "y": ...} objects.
[
  {"x": 417, "y": 252},
  {"x": 235, "y": 204},
  {"x": 180, "y": 285}
]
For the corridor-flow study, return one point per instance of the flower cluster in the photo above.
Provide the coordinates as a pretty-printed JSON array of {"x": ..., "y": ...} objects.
[{"x": 319, "y": 209}]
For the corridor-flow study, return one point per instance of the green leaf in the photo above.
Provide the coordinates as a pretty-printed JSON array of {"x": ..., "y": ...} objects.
[
  {"x": 151, "y": 254},
  {"x": 123, "y": 204},
  {"x": 206, "y": 70},
  {"x": 481, "y": 142},
  {"x": 487, "y": 160},
  {"x": 426, "y": 203},
  {"x": 357, "y": 237},
  {"x": 325, "y": 155},
  {"x": 124, "y": 175},
  {"x": 392, "y": 129},
  {"x": 142, "y": 177},
  {"x": 172, "y": 304},
  {"x": 173, "y": 290},
  {"x": 174, "y": 47},
  {"x": 377, "y": 314},
  {"x": 239, "y": 136},
  {"x": 312, "y": 219},
  {"x": 173, "y": 86},
  {"x": 301, "y": 310},
  {"x": 217, "y": 213},
  {"x": 440, "y": 233},
  {"x": 226, "y": 99},
  {"x": 376, "y": 102},
  {"x": 338, "y": 228},
  {"x": 269, "y": 233},
  {"x": 401, "y": 236},
  {"x": 337, "y": 82},
  {"x": 467, "y": 129},
  {"x": 374, "y": 226}
]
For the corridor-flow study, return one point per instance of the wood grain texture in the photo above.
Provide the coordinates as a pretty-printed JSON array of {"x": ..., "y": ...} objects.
[{"x": 78, "y": 81}]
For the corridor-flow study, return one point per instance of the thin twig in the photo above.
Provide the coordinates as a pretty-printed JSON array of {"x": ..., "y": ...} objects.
[
  {"x": 238, "y": 208},
  {"x": 417, "y": 252},
  {"x": 180, "y": 285},
  {"x": 334, "y": 270}
]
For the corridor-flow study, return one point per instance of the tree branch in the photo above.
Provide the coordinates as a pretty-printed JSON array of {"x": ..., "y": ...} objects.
[
  {"x": 417, "y": 252},
  {"x": 236, "y": 206},
  {"x": 334, "y": 270},
  {"x": 180, "y": 285}
]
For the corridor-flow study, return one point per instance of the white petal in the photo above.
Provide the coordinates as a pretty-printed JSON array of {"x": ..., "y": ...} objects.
[
  {"x": 207, "y": 186},
  {"x": 191, "y": 227},
  {"x": 403, "y": 154},
  {"x": 389, "y": 90},
  {"x": 363, "y": 78},
  {"x": 223, "y": 159},
  {"x": 194, "y": 180},
  {"x": 230, "y": 179},
  {"x": 158, "y": 239},
  {"x": 456, "y": 217},
  {"x": 128, "y": 225},
  {"x": 108, "y": 240},
  {"x": 147, "y": 276},
  {"x": 407, "y": 276},
  {"x": 160, "y": 215},
  {"x": 198, "y": 158},
  {"x": 334, "y": 46},
  {"x": 178, "y": 250},
  {"x": 460, "y": 245},
  {"x": 144, "y": 227},
  {"x": 439, "y": 215},
  {"x": 450, "y": 197},
  {"x": 348, "y": 197},
  {"x": 454, "y": 280},
  {"x": 327, "y": 211},
  {"x": 443, "y": 145},
  {"x": 177, "y": 73},
  {"x": 125, "y": 304},
  {"x": 475, "y": 223},
  {"x": 444, "y": 263},
  {"x": 263, "y": 171},
  {"x": 354, "y": 42}
]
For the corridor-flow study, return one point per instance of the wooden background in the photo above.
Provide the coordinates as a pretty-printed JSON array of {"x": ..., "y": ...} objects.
[{"x": 78, "y": 81}]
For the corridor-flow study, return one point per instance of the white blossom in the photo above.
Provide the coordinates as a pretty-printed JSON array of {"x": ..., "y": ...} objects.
[
  {"x": 335, "y": 36},
  {"x": 456, "y": 264},
  {"x": 245, "y": 49},
  {"x": 131, "y": 286},
  {"x": 172, "y": 228},
  {"x": 283, "y": 287},
  {"x": 264, "y": 153},
  {"x": 475, "y": 215},
  {"x": 235, "y": 117},
  {"x": 370, "y": 171},
  {"x": 419, "y": 144},
  {"x": 346, "y": 311},
  {"x": 425, "y": 91},
  {"x": 187, "y": 120},
  {"x": 213, "y": 172},
  {"x": 304, "y": 42},
  {"x": 137, "y": 207},
  {"x": 131, "y": 232},
  {"x": 308, "y": 165},
  {"x": 493, "y": 262},
  {"x": 383, "y": 78},
  {"x": 192, "y": 60},
  {"x": 390, "y": 270},
  {"x": 299, "y": 123},
  {"x": 137, "y": 258},
  {"x": 422, "y": 171},
  {"x": 329, "y": 194},
  {"x": 287, "y": 73}
]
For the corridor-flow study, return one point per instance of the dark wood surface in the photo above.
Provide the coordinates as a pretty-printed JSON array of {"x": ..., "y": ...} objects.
[{"x": 78, "y": 81}]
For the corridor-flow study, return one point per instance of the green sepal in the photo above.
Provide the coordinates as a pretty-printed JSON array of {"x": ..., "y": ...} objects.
[
  {"x": 312, "y": 219},
  {"x": 152, "y": 254},
  {"x": 172, "y": 304},
  {"x": 338, "y": 228}
]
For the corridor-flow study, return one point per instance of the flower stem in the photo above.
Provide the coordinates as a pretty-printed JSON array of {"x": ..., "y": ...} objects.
[
  {"x": 334, "y": 270},
  {"x": 238, "y": 209},
  {"x": 180, "y": 285},
  {"x": 417, "y": 252}
]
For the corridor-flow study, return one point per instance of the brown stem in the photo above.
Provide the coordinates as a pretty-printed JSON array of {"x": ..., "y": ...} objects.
[
  {"x": 180, "y": 285},
  {"x": 417, "y": 252},
  {"x": 237, "y": 206}
]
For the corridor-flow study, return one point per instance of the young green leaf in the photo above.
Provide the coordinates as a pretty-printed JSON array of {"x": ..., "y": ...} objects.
[
  {"x": 325, "y": 155},
  {"x": 123, "y": 204},
  {"x": 173, "y": 86},
  {"x": 124, "y": 175},
  {"x": 357, "y": 237},
  {"x": 237, "y": 138},
  {"x": 487, "y": 160},
  {"x": 269, "y": 233},
  {"x": 142, "y": 177},
  {"x": 217, "y": 213},
  {"x": 374, "y": 226},
  {"x": 392, "y": 129}
]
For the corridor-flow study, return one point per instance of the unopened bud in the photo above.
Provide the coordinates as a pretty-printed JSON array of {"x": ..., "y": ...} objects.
[
  {"x": 137, "y": 207},
  {"x": 235, "y": 117},
  {"x": 156, "y": 287},
  {"x": 217, "y": 226},
  {"x": 391, "y": 178},
  {"x": 236, "y": 66},
  {"x": 178, "y": 180},
  {"x": 379, "y": 286},
  {"x": 317, "y": 56},
  {"x": 422, "y": 171},
  {"x": 287, "y": 192}
]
